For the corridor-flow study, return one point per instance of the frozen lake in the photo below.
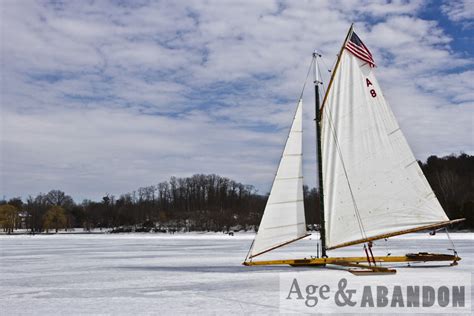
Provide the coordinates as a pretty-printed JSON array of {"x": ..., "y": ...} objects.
[{"x": 170, "y": 274}]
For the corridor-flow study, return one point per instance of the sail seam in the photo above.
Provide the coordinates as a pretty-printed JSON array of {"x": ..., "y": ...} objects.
[
  {"x": 289, "y": 178},
  {"x": 411, "y": 163},
  {"x": 393, "y": 131},
  {"x": 274, "y": 227},
  {"x": 292, "y": 201}
]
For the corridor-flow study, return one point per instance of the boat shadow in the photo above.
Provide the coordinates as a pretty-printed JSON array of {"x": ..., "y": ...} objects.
[
  {"x": 218, "y": 269},
  {"x": 254, "y": 269},
  {"x": 426, "y": 266}
]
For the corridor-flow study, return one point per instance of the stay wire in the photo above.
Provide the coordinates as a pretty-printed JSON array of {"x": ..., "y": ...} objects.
[
  {"x": 248, "y": 252},
  {"x": 325, "y": 65},
  {"x": 338, "y": 147},
  {"x": 301, "y": 96},
  {"x": 339, "y": 151},
  {"x": 321, "y": 76},
  {"x": 307, "y": 76},
  {"x": 450, "y": 240}
]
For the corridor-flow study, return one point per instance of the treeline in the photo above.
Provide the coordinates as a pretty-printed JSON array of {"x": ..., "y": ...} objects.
[
  {"x": 452, "y": 180},
  {"x": 200, "y": 202},
  {"x": 209, "y": 203}
]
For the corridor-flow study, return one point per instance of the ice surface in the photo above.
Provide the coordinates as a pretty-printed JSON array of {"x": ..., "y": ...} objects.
[{"x": 169, "y": 274}]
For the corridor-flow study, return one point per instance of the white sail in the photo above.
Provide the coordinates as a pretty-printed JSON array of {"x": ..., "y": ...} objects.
[
  {"x": 372, "y": 182},
  {"x": 283, "y": 220}
]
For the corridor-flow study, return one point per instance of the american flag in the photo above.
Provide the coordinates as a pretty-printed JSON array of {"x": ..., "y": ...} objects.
[{"x": 356, "y": 47}]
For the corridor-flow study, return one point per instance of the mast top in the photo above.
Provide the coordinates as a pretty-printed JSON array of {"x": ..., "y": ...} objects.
[{"x": 317, "y": 80}]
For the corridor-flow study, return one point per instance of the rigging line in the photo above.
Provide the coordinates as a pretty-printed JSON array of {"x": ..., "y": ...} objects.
[
  {"x": 325, "y": 65},
  {"x": 307, "y": 75},
  {"x": 386, "y": 247},
  {"x": 322, "y": 82},
  {"x": 248, "y": 252},
  {"x": 320, "y": 74},
  {"x": 357, "y": 213},
  {"x": 333, "y": 64},
  {"x": 356, "y": 209},
  {"x": 450, "y": 240}
]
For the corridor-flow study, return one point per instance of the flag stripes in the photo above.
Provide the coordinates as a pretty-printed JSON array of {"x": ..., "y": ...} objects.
[{"x": 358, "y": 49}]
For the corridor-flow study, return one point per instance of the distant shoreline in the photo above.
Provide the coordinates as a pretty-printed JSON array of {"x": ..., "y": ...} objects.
[{"x": 181, "y": 233}]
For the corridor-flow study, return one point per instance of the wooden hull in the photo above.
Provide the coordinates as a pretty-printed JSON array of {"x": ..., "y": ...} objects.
[{"x": 346, "y": 261}]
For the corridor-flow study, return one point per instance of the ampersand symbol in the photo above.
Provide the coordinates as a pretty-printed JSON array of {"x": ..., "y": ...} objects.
[{"x": 343, "y": 297}]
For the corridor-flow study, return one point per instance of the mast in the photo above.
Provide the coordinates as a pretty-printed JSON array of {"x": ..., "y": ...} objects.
[
  {"x": 333, "y": 71},
  {"x": 318, "y": 119},
  {"x": 317, "y": 82}
]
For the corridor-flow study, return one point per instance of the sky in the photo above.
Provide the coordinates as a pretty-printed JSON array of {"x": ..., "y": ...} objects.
[{"x": 103, "y": 97}]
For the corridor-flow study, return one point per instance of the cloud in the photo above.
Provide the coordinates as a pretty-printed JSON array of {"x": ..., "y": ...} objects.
[
  {"x": 106, "y": 96},
  {"x": 89, "y": 151},
  {"x": 459, "y": 11}
]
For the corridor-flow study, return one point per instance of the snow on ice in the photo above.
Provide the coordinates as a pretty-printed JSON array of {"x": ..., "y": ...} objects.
[{"x": 171, "y": 274}]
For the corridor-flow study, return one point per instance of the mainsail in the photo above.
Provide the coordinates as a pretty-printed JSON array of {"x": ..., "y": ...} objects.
[
  {"x": 283, "y": 220},
  {"x": 372, "y": 182}
]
